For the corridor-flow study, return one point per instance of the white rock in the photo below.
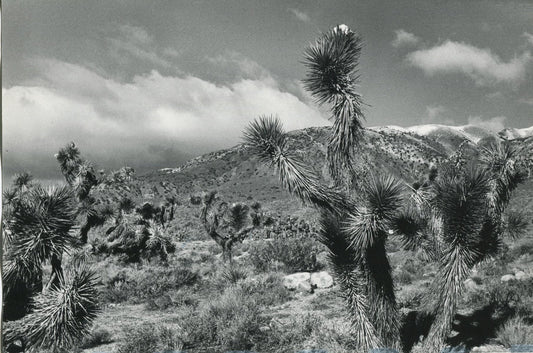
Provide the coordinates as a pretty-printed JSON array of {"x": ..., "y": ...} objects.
[
  {"x": 299, "y": 280},
  {"x": 470, "y": 284},
  {"x": 507, "y": 278},
  {"x": 520, "y": 275},
  {"x": 321, "y": 279}
]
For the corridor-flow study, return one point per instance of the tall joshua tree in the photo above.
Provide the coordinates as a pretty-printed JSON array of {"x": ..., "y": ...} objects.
[
  {"x": 354, "y": 232},
  {"x": 448, "y": 216}
]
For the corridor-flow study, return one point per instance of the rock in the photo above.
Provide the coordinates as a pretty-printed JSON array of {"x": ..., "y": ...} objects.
[
  {"x": 321, "y": 279},
  {"x": 520, "y": 275},
  {"x": 264, "y": 328},
  {"x": 507, "y": 278},
  {"x": 298, "y": 281},
  {"x": 470, "y": 284}
]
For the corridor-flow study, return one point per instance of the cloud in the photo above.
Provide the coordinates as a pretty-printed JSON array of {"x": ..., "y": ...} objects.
[
  {"x": 300, "y": 15},
  {"x": 481, "y": 65},
  {"x": 434, "y": 115},
  {"x": 433, "y": 111},
  {"x": 135, "y": 42},
  {"x": 404, "y": 39},
  {"x": 151, "y": 121},
  {"x": 494, "y": 124},
  {"x": 135, "y": 34},
  {"x": 236, "y": 65},
  {"x": 529, "y": 37},
  {"x": 528, "y": 101}
]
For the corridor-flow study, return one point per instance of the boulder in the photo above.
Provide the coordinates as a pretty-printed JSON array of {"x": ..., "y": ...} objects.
[
  {"x": 507, "y": 278},
  {"x": 321, "y": 279},
  {"x": 471, "y": 285},
  {"x": 298, "y": 281},
  {"x": 520, "y": 275}
]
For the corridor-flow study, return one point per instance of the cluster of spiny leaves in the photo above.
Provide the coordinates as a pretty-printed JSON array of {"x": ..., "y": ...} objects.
[
  {"x": 38, "y": 228},
  {"x": 456, "y": 215}
]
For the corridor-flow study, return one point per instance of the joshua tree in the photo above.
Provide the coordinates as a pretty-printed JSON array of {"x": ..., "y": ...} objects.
[
  {"x": 40, "y": 225},
  {"x": 80, "y": 175},
  {"x": 463, "y": 213},
  {"x": 447, "y": 215},
  {"x": 171, "y": 202},
  {"x": 225, "y": 223}
]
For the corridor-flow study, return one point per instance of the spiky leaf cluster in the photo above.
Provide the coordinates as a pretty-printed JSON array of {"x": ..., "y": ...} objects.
[
  {"x": 267, "y": 139},
  {"x": 42, "y": 224},
  {"x": 61, "y": 316},
  {"x": 332, "y": 78}
]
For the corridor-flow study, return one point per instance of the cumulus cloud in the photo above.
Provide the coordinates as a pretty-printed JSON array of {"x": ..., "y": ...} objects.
[
  {"x": 404, "y": 39},
  {"x": 481, "y": 65},
  {"x": 150, "y": 121},
  {"x": 300, "y": 15},
  {"x": 494, "y": 124}
]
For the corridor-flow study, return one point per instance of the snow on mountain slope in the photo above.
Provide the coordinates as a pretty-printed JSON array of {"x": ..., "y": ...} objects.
[{"x": 512, "y": 133}]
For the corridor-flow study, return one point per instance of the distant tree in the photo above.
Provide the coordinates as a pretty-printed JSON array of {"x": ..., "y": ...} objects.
[
  {"x": 225, "y": 224},
  {"x": 81, "y": 176}
]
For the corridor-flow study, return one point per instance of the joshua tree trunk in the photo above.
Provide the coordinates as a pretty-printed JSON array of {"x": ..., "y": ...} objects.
[
  {"x": 84, "y": 231},
  {"x": 57, "y": 271}
]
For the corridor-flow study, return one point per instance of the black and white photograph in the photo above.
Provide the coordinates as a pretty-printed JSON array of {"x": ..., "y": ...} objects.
[{"x": 267, "y": 176}]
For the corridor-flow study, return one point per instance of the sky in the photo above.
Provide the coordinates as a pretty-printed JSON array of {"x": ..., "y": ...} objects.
[{"x": 151, "y": 84}]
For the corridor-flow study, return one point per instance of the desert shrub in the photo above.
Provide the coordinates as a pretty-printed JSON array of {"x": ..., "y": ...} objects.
[
  {"x": 290, "y": 336},
  {"x": 515, "y": 331},
  {"x": 149, "y": 283},
  {"x": 514, "y": 294},
  {"x": 521, "y": 250},
  {"x": 309, "y": 333},
  {"x": 148, "y": 338},
  {"x": 266, "y": 290},
  {"x": 296, "y": 254},
  {"x": 231, "y": 322},
  {"x": 96, "y": 338},
  {"x": 233, "y": 274},
  {"x": 411, "y": 297},
  {"x": 404, "y": 277}
]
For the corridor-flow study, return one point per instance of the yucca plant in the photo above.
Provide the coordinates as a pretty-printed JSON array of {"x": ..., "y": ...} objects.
[
  {"x": 447, "y": 215},
  {"x": 225, "y": 224},
  {"x": 40, "y": 224},
  {"x": 81, "y": 177},
  {"x": 467, "y": 203},
  {"x": 159, "y": 242}
]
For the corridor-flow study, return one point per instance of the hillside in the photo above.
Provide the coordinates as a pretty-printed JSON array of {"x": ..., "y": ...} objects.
[{"x": 239, "y": 176}]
